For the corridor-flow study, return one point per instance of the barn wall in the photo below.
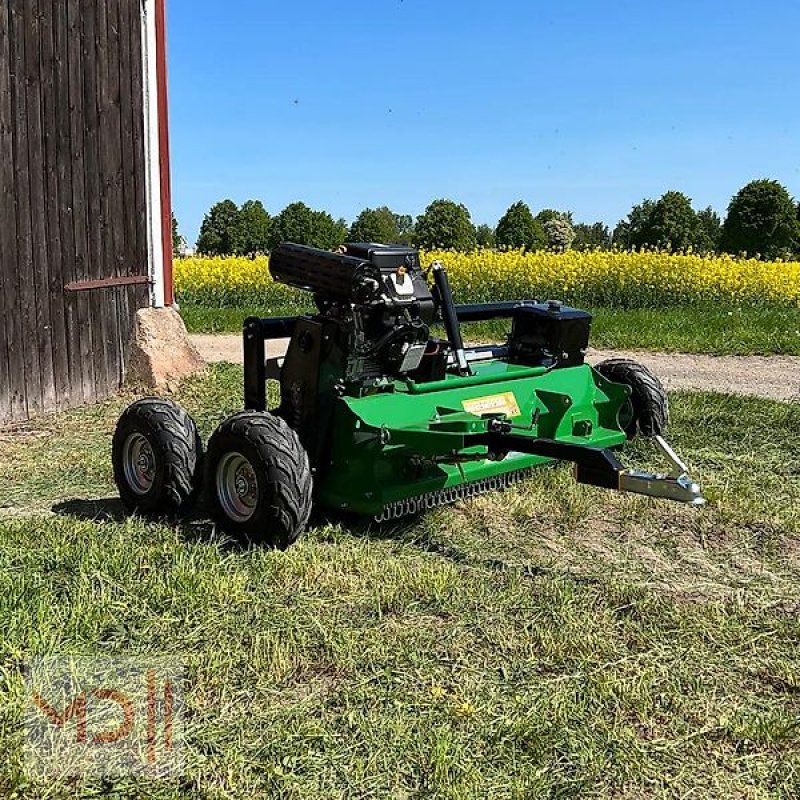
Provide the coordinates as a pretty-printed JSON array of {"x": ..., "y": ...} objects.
[{"x": 72, "y": 199}]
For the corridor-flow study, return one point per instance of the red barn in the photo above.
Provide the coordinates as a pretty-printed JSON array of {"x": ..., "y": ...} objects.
[{"x": 85, "y": 234}]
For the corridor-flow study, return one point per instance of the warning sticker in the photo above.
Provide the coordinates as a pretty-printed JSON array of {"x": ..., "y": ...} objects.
[{"x": 504, "y": 403}]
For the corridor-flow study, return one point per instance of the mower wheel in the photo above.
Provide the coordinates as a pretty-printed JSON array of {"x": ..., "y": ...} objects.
[
  {"x": 647, "y": 413},
  {"x": 258, "y": 479},
  {"x": 157, "y": 457}
]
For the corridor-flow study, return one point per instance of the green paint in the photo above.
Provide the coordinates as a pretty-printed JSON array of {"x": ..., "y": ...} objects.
[{"x": 384, "y": 444}]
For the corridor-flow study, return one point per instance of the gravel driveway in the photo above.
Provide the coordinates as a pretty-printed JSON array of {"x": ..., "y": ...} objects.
[{"x": 775, "y": 377}]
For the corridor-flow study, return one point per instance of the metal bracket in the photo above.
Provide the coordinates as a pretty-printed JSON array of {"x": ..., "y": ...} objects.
[
  {"x": 678, "y": 467},
  {"x": 107, "y": 283}
]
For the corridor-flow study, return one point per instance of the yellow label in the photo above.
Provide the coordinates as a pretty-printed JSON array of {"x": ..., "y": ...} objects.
[{"x": 504, "y": 403}]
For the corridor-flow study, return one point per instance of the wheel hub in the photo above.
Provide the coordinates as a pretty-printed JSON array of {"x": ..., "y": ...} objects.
[
  {"x": 139, "y": 463},
  {"x": 237, "y": 487}
]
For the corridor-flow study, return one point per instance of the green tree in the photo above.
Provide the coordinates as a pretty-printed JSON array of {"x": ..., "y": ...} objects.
[
  {"x": 621, "y": 236},
  {"x": 300, "y": 224},
  {"x": 445, "y": 225},
  {"x": 517, "y": 229},
  {"x": 219, "y": 233},
  {"x": 761, "y": 221},
  {"x": 635, "y": 231},
  {"x": 560, "y": 234},
  {"x": 254, "y": 229},
  {"x": 380, "y": 225},
  {"x": 595, "y": 236},
  {"x": 797, "y": 246},
  {"x": 672, "y": 223},
  {"x": 669, "y": 223},
  {"x": 178, "y": 242},
  {"x": 484, "y": 235},
  {"x": 629, "y": 233},
  {"x": 709, "y": 231}
]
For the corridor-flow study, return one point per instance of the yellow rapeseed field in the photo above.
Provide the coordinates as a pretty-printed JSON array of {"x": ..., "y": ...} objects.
[{"x": 631, "y": 280}]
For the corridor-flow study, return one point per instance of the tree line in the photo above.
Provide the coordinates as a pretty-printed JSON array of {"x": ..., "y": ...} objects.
[{"x": 762, "y": 220}]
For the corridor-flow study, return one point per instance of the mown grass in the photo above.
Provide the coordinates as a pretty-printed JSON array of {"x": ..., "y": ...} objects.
[
  {"x": 718, "y": 330},
  {"x": 554, "y": 641}
]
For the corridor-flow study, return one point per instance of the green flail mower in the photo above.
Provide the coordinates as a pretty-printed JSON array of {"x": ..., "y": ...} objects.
[{"x": 380, "y": 418}]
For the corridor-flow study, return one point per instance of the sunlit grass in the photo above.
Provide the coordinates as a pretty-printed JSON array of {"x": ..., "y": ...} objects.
[{"x": 554, "y": 641}]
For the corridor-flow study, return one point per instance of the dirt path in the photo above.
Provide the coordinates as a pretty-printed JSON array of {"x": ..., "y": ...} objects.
[{"x": 776, "y": 377}]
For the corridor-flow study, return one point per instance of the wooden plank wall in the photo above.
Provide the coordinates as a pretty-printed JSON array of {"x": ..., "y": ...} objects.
[{"x": 72, "y": 199}]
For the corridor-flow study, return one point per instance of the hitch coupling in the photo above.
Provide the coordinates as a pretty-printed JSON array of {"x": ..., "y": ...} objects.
[{"x": 674, "y": 485}]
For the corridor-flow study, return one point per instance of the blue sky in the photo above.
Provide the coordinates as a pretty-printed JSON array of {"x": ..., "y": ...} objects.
[{"x": 586, "y": 106}]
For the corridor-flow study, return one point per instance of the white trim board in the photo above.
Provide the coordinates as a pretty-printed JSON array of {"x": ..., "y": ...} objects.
[{"x": 155, "y": 242}]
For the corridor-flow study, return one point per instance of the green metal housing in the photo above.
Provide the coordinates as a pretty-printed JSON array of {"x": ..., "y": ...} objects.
[{"x": 414, "y": 439}]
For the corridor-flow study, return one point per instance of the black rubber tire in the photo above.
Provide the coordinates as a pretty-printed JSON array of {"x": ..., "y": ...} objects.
[
  {"x": 649, "y": 403},
  {"x": 283, "y": 499},
  {"x": 177, "y": 454}
]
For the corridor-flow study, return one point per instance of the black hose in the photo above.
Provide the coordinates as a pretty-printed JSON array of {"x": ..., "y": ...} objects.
[{"x": 450, "y": 317}]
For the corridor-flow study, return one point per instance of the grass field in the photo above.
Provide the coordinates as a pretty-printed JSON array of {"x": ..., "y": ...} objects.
[
  {"x": 719, "y": 330},
  {"x": 555, "y": 641}
]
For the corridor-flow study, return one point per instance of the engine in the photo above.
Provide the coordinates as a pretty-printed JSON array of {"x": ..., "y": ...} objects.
[
  {"x": 373, "y": 300},
  {"x": 373, "y": 321}
]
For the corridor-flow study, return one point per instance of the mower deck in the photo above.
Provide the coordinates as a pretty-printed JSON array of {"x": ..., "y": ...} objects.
[{"x": 421, "y": 439}]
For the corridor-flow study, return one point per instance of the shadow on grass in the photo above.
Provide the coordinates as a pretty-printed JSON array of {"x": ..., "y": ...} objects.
[
  {"x": 109, "y": 509},
  {"x": 193, "y": 527}
]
